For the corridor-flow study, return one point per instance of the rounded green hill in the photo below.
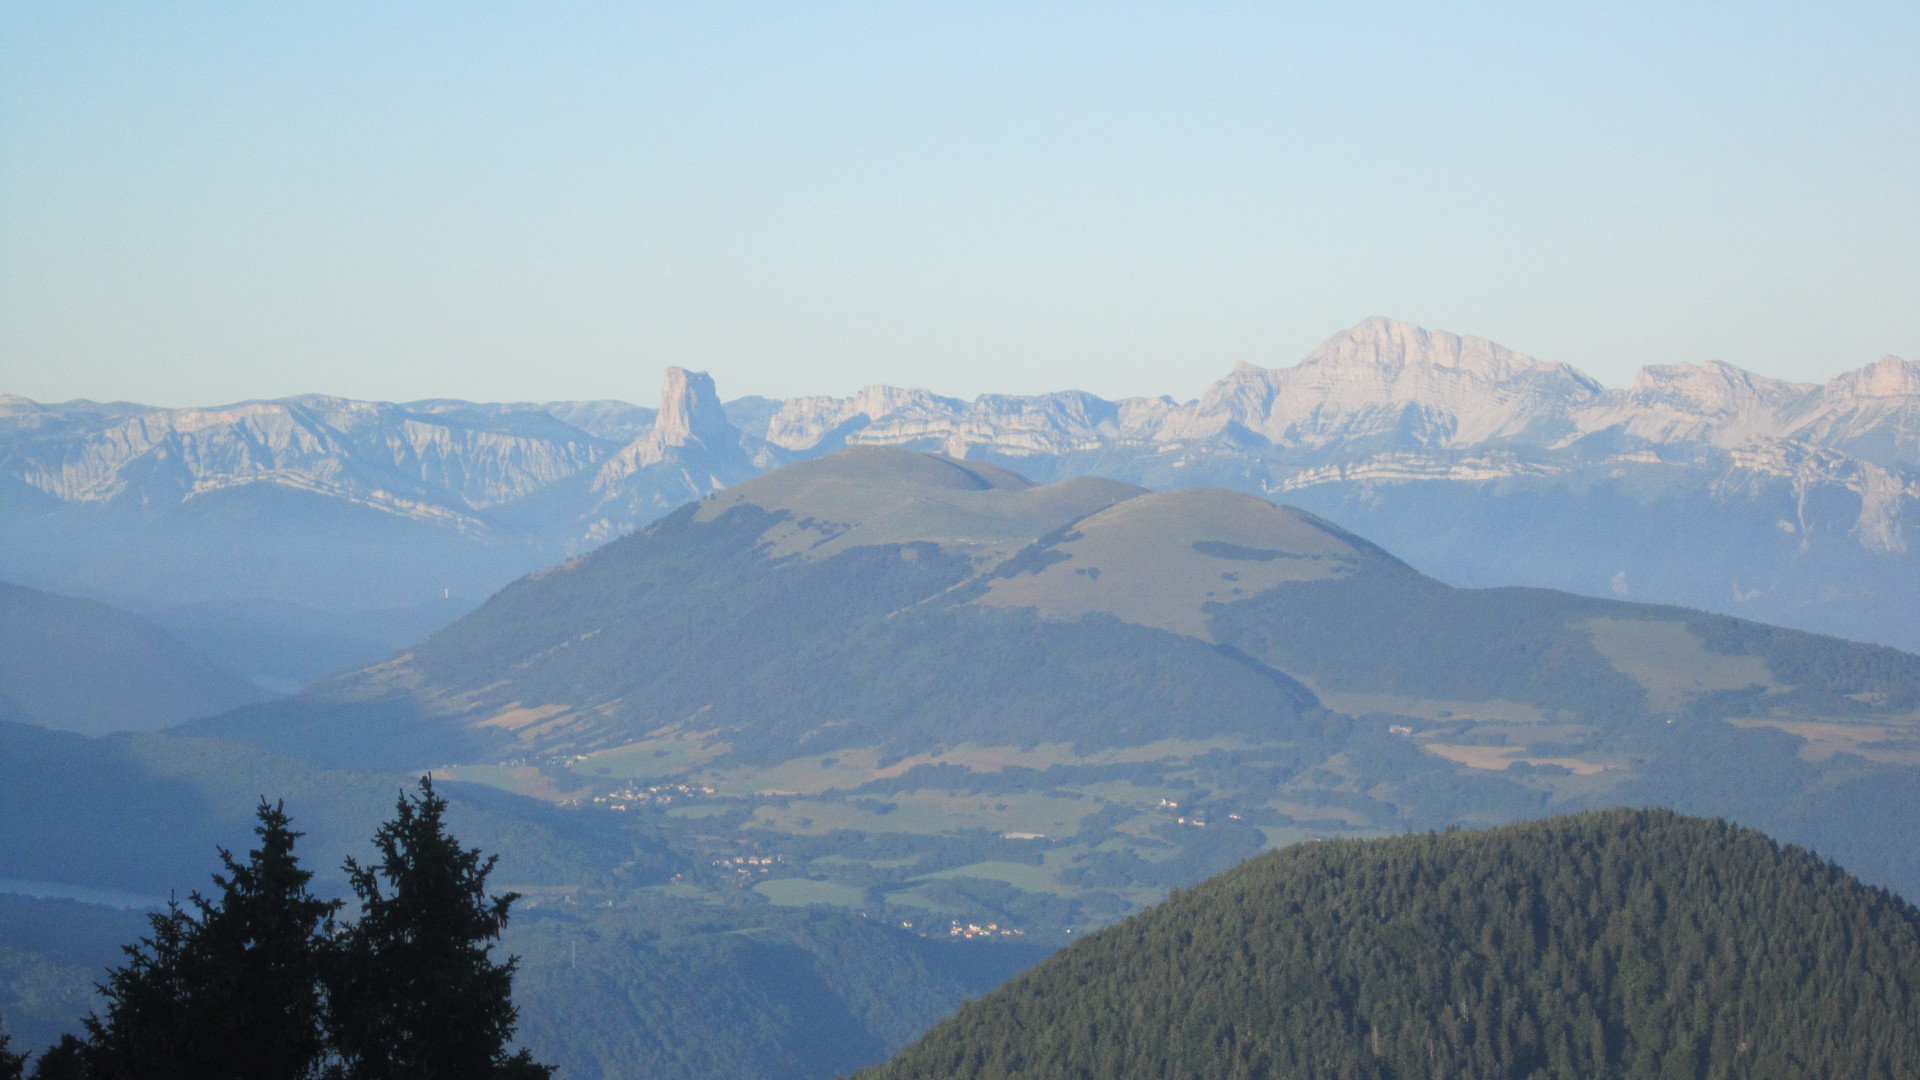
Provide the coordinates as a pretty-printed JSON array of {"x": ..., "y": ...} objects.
[{"x": 1609, "y": 944}]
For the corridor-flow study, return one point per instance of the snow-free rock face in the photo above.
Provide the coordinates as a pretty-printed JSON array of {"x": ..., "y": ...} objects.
[
  {"x": 14, "y": 405},
  {"x": 380, "y": 455},
  {"x": 615, "y": 421},
  {"x": 1385, "y": 418},
  {"x": 1712, "y": 403},
  {"x": 1386, "y": 385},
  {"x": 1873, "y": 413},
  {"x": 1395, "y": 382},
  {"x": 1887, "y": 498},
  {"x": 887, "y": 416},
  {"x": 690, "y": 415},
  {"x": 329, "y": 502},
  {"x": 690, "y": 411},
  {"x": 808, "y": 422},
  {"x": 1380, "y": 382},
  {"x": 1892, "y": 377},
  {"x": 1702, "y": 484},
  {"x": 691, "y": 451}
]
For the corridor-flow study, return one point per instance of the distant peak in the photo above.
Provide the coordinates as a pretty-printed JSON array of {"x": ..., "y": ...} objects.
[
  {"x": 1392, "y": 347},
  {"x": 1715, "y": 372},
  {"x": 690, "y": 410},
  {"x": 1388, "y": 342},
  {"x": 1890, "y": 377},
  {"x": 15, "y": 405},
  {"x": 879, "y": 399},
  {"x": 1381, "y": 324},
  {"x": 1391, "y": 337}
]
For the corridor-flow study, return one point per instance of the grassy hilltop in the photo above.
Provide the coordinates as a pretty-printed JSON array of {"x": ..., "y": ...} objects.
[{"x": 931, "y": 688}]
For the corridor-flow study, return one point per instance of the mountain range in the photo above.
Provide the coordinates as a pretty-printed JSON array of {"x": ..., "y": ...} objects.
[
  {"x": 1703, "y": 485},
  {"x": 879, "y": 644},
  {"x": 796, "y": 722},
  {"x": 785, "y": 774}
]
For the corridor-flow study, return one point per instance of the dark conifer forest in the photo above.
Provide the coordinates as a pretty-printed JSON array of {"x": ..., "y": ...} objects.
[
  {"x": 1630, "y": 944},
  {"x": 261, "y": 981}
]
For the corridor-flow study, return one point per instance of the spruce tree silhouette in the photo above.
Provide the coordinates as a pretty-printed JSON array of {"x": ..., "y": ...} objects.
[
  {"x": 413, "y": 993},
  {"x": 12, "y": 1065},
  {"x": 230, "y": 991},
  {"x": 64, "y": 1060}
]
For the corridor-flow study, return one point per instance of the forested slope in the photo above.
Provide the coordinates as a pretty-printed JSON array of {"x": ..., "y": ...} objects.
[
  {"x": 1610, "y": 944},
  {"x": 79, "y": 665}
]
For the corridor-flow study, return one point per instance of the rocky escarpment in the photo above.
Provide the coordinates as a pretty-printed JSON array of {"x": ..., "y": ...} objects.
[
  {"x": 692, "y": 450},
  {"x": 414, "y": 462},
  {"x": 1383, "y": 387},
  {"x": 1390, "y": 385},
  {"x": 341, "y": 504},
  {"x": 1450, "y": 448},
  {"x": 441, "y": 461},
  {"x": 1382, "y": 381}
]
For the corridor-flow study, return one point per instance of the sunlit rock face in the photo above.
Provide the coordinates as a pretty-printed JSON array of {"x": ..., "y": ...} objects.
[
  {"x": 1394, "y": 382},
  {"x": 1872, "y": 413},
  {"x": 888, "y": 416},
  {"x": 1711, "y": 403},
  {"x": 1382, "y": 380},
  {"x": 1386, "y": 385},
  {"x": 1798, "y": 502},
  {"x": 690, "y": 416},
  {"x": 691, "y": 451},
  {"x": 410, "y": 463},
  {"x": 1700, "y": 484},
  {"x": 343, "y": 504}
]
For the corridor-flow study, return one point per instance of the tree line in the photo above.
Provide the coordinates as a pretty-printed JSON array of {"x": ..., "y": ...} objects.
[{"x": 265, "y": 981}]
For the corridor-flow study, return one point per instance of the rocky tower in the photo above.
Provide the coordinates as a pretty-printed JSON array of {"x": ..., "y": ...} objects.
[
  {"x": 690, "y": 412},
  {"x": 692, "y": 450},
  {"x": 690, "y": 420}
]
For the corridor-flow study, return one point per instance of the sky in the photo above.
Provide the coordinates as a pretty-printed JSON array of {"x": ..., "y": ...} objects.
[{"x": 202, "y": 203}]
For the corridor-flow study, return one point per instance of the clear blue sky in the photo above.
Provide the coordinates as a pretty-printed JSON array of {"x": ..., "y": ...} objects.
[{"x": 200, "y": 203}]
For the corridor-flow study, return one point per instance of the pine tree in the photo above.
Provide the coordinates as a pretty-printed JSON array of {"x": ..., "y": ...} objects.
[
  {"x": 228, "y": 992},
  {"x": 413, "y": 992}
]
